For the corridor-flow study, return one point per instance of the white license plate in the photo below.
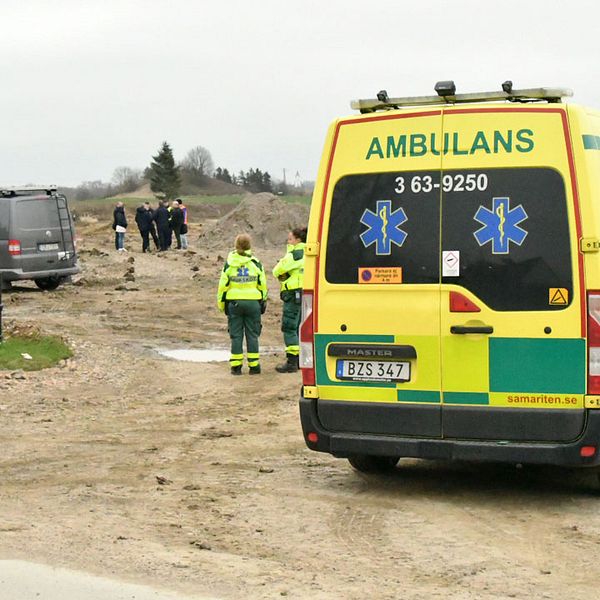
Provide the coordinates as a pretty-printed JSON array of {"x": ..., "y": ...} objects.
[
  {"x": 373, "y": 370},
  {"x": 47, "y": 247}
]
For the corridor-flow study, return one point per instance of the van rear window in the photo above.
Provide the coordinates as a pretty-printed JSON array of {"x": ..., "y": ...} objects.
[
  {"x": 4, "y": 212},
  {"x": 39, "y": 213},
  {"x": 512, "y": 235},
  {"x": 508, "y": 229},
  {"x": 377, "y": 221}
]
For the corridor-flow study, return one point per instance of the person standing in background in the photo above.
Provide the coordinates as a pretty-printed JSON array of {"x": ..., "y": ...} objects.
[
  {"x": 161, "y": 217},
  {"x": 184, "y": 227},
  {"x": 176, "y": 222},
  {"x": 120, "y": 226},
  {"x": 143, "y": 218}
]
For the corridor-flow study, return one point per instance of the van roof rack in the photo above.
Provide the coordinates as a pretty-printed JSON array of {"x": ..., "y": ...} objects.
[
  {"x": 11, "y": 191},
  {"x": 446, "y": 94}
]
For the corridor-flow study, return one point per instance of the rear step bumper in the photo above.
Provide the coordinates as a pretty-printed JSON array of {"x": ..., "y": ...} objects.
[
  {"x": 16, "y": 274},
  {"x": 344, "y": 444}
]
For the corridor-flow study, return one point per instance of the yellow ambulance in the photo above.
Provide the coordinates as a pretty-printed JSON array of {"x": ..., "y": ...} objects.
[{"x": 451, "y": 307}]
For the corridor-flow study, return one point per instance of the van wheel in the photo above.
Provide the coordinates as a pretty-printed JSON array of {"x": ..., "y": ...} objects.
[
  {"x": 367, "y": 463},
  {"x": 48, "y": 283}
]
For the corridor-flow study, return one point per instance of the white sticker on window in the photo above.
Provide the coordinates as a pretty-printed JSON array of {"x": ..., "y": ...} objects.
[{"x": 451, "y": 263}]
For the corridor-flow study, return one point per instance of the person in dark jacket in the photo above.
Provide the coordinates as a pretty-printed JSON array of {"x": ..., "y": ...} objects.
[
  {"x": 120, "y": 226},
  {"x": 144, "y": 219},
  {"x": 153, "y": 228},
  {"x": 162, "y": 217},
  {"x": 177, "y": 220}
]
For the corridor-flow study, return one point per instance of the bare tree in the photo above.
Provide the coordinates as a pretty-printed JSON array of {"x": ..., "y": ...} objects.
[
  {"x": 198, "y": 163},
  {"x": 127, "y": 179}
]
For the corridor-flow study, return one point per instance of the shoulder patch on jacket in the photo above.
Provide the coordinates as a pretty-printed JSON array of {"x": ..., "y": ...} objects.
[{"x": 297, "y": 254}]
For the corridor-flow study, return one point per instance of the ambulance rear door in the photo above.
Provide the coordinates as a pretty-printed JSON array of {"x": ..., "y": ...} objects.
[
  {"x": 512, "y": 306},
  {"x": 377, "y": 298}
]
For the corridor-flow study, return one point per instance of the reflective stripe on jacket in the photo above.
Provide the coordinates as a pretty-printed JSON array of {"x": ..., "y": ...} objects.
[
  {"x": 242, "y": 278},
  {"x": 290, "y": 269}
]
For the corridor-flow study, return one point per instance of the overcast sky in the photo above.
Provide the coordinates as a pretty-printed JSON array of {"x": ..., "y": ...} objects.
[{"x": 90, "y": 85}]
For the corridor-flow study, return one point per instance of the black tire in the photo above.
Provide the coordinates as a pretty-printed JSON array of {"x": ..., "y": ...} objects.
[
  {"x": 367, "y": 463},
  {"x": 48, "y": 283}
]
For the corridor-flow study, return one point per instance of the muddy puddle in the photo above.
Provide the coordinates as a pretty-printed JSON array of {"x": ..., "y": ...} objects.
[
  {"x": 20, "y": 580},
  {"x": 203, "y": 355}
]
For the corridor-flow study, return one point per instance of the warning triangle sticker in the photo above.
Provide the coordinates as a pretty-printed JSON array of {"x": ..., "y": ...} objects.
[{"x": 558, "y": 296}]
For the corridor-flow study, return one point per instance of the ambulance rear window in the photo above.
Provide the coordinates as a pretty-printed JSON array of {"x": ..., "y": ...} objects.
[
  {"x": 377, "y": 222},
  {"x": 510, "y": 230},
  {"x": 505, "y": 233}
]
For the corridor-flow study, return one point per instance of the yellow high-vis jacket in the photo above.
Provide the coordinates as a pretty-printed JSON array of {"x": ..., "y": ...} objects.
[
  {"x": 290, "y": 269},
  {"x": 242, "y": 278}
]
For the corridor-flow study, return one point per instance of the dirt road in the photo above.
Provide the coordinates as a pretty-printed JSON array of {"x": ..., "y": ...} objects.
[{"x": 126, "y": 464}]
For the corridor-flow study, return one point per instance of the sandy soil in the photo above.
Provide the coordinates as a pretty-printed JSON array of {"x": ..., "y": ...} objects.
[{"x": 126, "y": 464}]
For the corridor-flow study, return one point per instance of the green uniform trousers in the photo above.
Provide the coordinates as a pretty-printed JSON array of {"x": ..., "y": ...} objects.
[
  {"x": 290, "y": 322},
  {"x": 244, "y": 319}
]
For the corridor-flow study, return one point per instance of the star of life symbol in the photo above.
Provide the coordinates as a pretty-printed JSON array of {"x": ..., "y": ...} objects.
[
  {"x": 243, "y": 272},
  {"x": 500, "y": 225},
  {"x": 383, "y": 227}
]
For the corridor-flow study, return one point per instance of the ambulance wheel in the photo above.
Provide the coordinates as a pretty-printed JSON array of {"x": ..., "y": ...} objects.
[
  {"x": 367, "y": 463},
  {"x": 48, "y": 283}
]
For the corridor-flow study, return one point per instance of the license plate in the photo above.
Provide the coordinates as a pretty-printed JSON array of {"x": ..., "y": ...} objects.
[
  {"x": 47, "y": 247},
  {"x": 373, "y": 370}
]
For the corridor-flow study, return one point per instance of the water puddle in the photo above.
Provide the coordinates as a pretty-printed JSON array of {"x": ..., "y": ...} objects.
[
  {"x": 201, "y": 356},
  {"x": 205, "y": 355},
  {"x": 28, "y": 581}
]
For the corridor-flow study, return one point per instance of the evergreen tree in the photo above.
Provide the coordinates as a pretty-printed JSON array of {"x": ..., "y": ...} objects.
[
  {"x": 227, "y": 176},
  {"x": 164, "y": 174},
  {"x": 267, "y": 186}
]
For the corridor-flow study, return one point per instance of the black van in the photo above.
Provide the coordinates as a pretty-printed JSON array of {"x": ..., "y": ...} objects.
[{"x": 37, "y": 239}]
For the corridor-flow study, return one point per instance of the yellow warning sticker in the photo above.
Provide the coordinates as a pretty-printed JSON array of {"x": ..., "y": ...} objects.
[
  {"x": 558, "y": 296},
  {"x": 380, "y": 275}
]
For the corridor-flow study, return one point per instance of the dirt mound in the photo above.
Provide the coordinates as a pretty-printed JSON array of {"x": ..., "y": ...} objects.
[{"x": 264, "y": 216}]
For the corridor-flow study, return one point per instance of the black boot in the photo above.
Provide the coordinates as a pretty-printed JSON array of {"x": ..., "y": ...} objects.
[
  {"x": 254, "y": 370},
  {"x": 290, "y": 365},
  {"x": 236, "y": 370}
]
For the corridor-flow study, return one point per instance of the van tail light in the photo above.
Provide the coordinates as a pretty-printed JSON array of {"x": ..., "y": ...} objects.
[
  {"x": 593, "y": 342},
  {"x": 307, "y": 353},
  {"x": 14, "y": 247}
]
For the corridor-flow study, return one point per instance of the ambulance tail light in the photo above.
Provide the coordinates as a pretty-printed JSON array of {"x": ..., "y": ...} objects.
[
  {"x": 14, "y": 247},
  {"x": 307, "y": 358},
  {"x": 593, "y": 340}
]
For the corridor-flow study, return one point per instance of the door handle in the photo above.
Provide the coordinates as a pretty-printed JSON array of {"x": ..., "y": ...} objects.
[{"x": 463, "y": 329}]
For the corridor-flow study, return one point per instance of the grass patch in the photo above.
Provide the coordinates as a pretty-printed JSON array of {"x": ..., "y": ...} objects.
[{"x": 45, "y": 351}]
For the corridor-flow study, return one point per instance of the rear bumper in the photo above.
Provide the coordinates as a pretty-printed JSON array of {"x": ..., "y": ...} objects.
[
  {"x": 344, "y": 444},
  {"x": 16, "y": 274}
]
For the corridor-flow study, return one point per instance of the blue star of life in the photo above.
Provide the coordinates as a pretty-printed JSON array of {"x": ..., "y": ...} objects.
[
  {"x": 383, "y": 227},
  {"x": 500, "y": 225},
  {"x": 243, "y": 271}
]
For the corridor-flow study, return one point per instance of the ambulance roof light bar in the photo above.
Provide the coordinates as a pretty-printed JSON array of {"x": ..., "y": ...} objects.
[{"x": 446, "y": 94}]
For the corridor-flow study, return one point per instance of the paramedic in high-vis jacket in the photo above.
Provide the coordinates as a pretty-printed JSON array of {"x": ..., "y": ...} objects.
[
  {"x": 290, "y": 272},
  {"x": 242, "y": 296}
]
